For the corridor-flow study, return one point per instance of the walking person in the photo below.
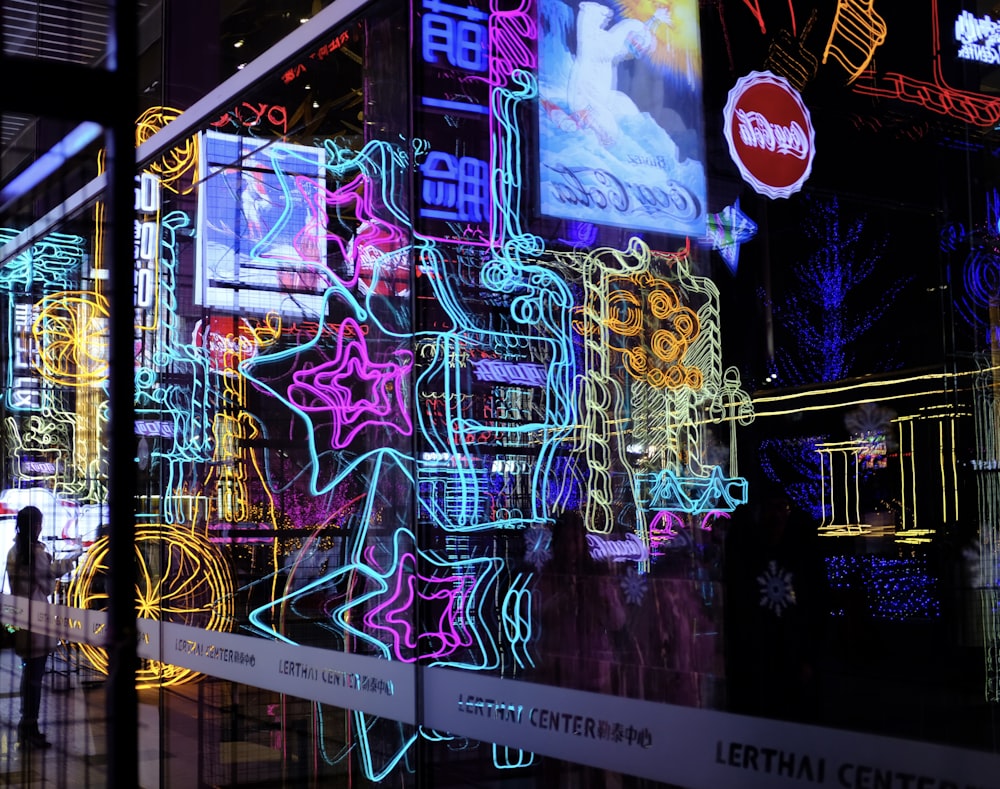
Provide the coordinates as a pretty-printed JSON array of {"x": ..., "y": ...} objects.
[{"x": 33, "y": 573}]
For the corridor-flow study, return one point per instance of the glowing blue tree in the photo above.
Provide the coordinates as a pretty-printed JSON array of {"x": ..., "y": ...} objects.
[
  {"x": 829, "y": 302},
  {"x": 821, "y": 315}
]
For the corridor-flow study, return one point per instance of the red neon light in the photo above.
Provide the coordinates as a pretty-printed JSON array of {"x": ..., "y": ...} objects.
[
  {"x": 322, "y": 52},
  {"x": 936, "y": 95},
  {"x": 754, "y": 6},
  {"x": 247, "y": 115}
]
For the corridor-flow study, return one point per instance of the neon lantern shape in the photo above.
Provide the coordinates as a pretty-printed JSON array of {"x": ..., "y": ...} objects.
[
  {"x": 539, "y": 320},
  {"x": 52, "y": 263},
  {"x": 840, "y": 467}
]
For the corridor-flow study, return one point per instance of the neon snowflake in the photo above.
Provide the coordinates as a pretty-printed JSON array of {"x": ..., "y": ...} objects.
[
  {"x": 776, "y": 590},
  {"x": 537, "y": 540},
  {"x": 634, "y": 586}
]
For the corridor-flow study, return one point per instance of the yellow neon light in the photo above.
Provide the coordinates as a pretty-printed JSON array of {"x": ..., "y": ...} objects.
[
  {"x": 873, "y": 384},
  {"x": 944, "y": 482},
  {"x": 181, "y": 577},
  {"x": 913, "y": 475},
  {"x": 665, "y": 330},
  {"x": 902, "y": 477},
  {"x": 71, "y": 335},
  {"x": 954, "y": 468}
]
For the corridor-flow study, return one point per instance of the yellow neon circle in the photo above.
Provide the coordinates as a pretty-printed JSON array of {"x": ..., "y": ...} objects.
[
  {"x": 71, "y": 334},
  {"x": 180, "y": 577}
]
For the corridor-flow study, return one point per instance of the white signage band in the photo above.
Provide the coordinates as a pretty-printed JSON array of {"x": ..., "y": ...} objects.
[
  {"x": 694, "y": 748},
  {"x": 357, "y": 682}
]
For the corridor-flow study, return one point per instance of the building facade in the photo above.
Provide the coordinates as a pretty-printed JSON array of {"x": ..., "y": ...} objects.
[{"x": 545, "y": 392}]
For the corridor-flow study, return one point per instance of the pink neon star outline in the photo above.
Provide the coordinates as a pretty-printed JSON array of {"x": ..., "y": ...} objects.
[
  {"x": 331, "y": 388},
  {"x": 395, "y": 615}
]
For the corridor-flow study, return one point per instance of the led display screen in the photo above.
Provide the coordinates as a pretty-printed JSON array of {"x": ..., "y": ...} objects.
[
  {"x": 620, "y": 117},
  {"x": 262, "y": 245}
]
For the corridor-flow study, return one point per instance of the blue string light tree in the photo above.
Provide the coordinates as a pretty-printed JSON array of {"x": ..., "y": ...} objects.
[
  {"x": 829, "y": 303},
  {"x": 822, "y": 314}
]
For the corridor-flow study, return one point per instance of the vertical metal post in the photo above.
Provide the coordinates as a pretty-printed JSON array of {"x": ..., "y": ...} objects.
[{"x": 121, "y": 702}]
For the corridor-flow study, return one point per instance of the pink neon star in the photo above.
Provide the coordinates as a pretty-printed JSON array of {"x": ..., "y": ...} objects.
[
  {"x": 356, "y": 392},
  {"x": 445, "y": 597}
]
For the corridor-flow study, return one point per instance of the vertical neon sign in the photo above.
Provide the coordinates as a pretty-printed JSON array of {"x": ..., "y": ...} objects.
[
  {"x": 453, "y": 116},
  {"x": 146, "y": 248}
]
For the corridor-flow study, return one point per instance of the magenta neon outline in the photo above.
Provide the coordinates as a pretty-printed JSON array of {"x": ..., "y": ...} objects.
[
  {"x": 330, "y": 387},
  {"x": 456, "y": 590}
]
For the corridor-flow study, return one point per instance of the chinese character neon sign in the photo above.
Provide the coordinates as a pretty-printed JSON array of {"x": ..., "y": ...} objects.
[{"x": 978, "y": 38}]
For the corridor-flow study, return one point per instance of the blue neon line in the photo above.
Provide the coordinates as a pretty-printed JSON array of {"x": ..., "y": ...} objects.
[
  {"x": 50, "y": 161},
  {"x": 460, "y": 106}
]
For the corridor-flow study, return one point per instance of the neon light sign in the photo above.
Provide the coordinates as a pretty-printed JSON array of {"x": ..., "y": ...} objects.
[
  {"x": 770, "y": 134},
  {"x": 323, "y": 51},
  {"x": 455, "y": 32},
  {"x": 146, "y": 247},
  {"x": 856, "y": 33},
  {"x": 522, "y": 373},
  {"x": 631, "y": 549},
  {"x": 332, "y": 388},
  {"x": 250, "y": 116},
  {"x": 453, "y": 181},
  {"x": 24, "y": 391},
  {"x": 935, "y": 95},
  {"x": 979, "y": 38}
]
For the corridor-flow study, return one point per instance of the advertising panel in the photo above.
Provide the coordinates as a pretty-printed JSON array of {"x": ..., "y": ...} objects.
[
  {"x": 621, "y": 137},
  {"x": 770, "y": 134},
  {"x": 262, "y": 238},
  {"x": 452, "y": 116}
]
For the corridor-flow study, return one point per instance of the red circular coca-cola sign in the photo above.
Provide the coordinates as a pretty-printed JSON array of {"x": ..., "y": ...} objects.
[{"x": 770, "y": 134}]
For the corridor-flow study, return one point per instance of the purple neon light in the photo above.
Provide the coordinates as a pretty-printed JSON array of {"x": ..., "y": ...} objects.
[
  {"x": 395, "y": 616},
  {"x": 510, "y": 36},
  {"x": 355, "y": 391},
  {"x": 352, "y": 199}
]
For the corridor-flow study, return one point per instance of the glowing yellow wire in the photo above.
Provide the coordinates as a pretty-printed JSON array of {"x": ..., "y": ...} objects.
[{"x": 181, "y": 577}]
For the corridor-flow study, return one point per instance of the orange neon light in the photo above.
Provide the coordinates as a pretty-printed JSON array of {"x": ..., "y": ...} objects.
[
  {"x": 857, "y": 32},
  {"x": 788, "y": 57}
]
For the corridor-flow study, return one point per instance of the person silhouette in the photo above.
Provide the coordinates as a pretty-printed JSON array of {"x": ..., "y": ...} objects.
[{"x": 33, "y": 574}]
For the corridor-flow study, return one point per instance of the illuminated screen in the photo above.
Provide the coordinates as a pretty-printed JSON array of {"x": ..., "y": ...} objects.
[
  {"x": 620, "y": 123},
  {"x": 262, "y": 243}
]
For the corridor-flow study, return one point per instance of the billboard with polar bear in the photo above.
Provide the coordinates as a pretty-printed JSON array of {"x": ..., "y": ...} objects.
[{"x": 621, "y": 132}]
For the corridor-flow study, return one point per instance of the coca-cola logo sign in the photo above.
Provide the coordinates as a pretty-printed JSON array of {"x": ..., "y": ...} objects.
[{"x": 770, "y": 134}]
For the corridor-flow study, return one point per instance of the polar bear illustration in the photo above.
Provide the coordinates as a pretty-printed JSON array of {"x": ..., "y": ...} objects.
[{"x": 592, "y": 91}]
